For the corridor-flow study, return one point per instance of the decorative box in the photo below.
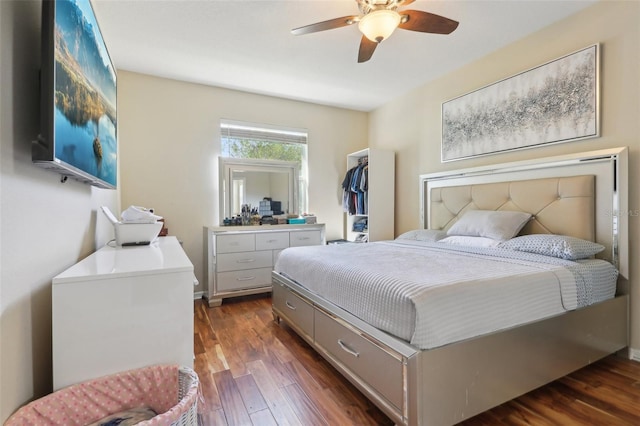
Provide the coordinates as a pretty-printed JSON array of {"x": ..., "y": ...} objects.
[{"x": 296, "y": 221}]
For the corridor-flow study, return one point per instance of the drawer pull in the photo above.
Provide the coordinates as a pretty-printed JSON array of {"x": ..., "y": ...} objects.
[
  {"x": 347, "y": 348},
  {"x": 290, "y": 306},
  {"x": 245, "y": 278},
  {"x": 245, "y": 260},
  {"x": 303, "y": 238},
  {"x": 272, "y": 241}
]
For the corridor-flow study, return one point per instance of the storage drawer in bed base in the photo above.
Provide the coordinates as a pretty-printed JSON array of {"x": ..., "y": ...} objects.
[
  {"x": 294, "y": 309},
  {"x": 373, "y": 367},
  {"x": 398, "y": 415},
  {"x": 369, "y": 363}
]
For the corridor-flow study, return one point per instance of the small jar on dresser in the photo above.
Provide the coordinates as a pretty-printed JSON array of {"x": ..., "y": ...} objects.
[{"x": 239, "y": 259}]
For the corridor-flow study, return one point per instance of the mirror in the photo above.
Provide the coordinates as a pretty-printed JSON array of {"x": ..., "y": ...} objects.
[{"x": 248, "y": 181}]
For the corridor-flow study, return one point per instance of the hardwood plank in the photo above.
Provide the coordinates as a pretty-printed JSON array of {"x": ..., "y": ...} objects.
[
  {"x": 559, "y": 408},
  {"x": 208, "y": 339},
  {"x": 303, "y": 407},
  {"x": 234, "y": 409},
  {"x": 202, "y": 325},
  {"x": 604, "y": 398},
  {"x": 207, "y": 384},
  {"x": 263, "y": 418},
  {"x": 286, "y": 342},
  {"x": 232, "y": 351},
  {"x": 198, "y": 346},
  {"x": 622, "y": 366},
  {"x": 215, "y": 417},
  {"x": 359, "y": 411},
  {"x": 278, "y": 404},
  {"x": 333, "y": 412},
  {"x": 250, "y": 394},
  {"x": 278, "y": 371},
  {"x": 610, "y": 383}
]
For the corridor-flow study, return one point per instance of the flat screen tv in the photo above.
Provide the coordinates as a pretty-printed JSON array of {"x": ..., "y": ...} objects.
[{"x": 78, "y": 134}]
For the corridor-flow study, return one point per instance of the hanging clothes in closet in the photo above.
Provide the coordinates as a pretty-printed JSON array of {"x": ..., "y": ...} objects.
[{"x": 355, "y": 188}]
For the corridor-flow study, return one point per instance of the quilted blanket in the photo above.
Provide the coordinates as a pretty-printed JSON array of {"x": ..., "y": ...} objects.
[{"x": 432, "y": 294}]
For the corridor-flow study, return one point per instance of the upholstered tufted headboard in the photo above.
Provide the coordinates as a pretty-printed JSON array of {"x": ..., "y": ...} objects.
[
  {"x": 562, "y": 205},
  {"x": 583, "y": 195}
]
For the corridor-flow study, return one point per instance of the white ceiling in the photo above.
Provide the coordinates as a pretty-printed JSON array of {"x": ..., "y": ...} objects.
[{"x": 247, "y": 45}]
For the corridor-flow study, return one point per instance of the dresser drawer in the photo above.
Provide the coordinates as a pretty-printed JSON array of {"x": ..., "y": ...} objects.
[
  {"x": 235, "y": 243},
  {"x": 240, "y": 261},
  {"x": 297, "y": 311},
  {"x": 371, "y": 362},
  {"x": 238, "y": 280},
  {"x": 305, "y": 238},
  {"x": 272, "y": 240}
]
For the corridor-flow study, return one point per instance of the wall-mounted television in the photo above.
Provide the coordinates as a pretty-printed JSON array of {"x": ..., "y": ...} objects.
[{"x": 78, "y": 134}]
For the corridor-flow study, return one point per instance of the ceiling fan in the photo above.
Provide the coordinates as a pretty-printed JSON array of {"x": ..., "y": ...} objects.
[{"x": 377, "y": 21}]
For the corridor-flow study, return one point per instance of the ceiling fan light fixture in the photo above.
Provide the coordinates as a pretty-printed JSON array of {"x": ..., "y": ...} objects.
[{"x": 379, "y": 24}]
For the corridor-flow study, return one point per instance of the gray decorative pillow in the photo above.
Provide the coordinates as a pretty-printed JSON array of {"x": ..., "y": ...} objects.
[
  {"x": 428, "y": 235},
  {"x": 499, "y": 225},
  {"x": 562, "y": 246}
]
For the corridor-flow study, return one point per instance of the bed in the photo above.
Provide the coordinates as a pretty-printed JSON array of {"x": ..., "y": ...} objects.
[{"x": 430, "y": 346}]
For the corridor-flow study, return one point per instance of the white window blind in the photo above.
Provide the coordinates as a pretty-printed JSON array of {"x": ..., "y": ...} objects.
[{"x": 261, "y": 132}]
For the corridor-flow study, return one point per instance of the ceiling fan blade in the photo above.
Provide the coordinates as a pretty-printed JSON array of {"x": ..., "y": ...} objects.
[
  {"x": 326, "y": 25},
  {"x": 417, "y": 20},
  {"x": 367, "y": 47}
]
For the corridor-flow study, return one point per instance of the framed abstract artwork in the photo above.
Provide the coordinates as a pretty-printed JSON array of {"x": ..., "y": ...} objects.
[{"x": 551, "y": 103}]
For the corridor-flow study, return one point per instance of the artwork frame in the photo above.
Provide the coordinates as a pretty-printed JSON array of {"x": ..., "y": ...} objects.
[{"x": 556, "y": 102}]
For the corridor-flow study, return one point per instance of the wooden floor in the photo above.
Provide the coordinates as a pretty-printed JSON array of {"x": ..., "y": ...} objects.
[{"x": 255, "y": 372}]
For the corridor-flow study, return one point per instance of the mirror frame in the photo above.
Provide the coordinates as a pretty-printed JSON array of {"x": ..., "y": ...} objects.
[{"x": 228, "y": 165}]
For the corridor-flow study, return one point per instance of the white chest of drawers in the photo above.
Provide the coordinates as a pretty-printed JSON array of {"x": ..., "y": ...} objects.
[
  {"x": 122, "y": 308},
  {"x": 240, "y": 259}
]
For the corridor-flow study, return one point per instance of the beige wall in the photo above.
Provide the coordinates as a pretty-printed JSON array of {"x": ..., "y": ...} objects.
[
  {"x": 45, "y": 225},
  {"x": 411, "y": 123},
  {"x": 169, "y": 147}
]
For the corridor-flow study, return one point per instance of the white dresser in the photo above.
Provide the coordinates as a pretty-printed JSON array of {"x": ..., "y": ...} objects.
[
  {"x": 123, "y": 308},
  {"x": 240, "y": 259}
]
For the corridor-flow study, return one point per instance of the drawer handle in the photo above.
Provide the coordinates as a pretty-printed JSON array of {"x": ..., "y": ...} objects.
[
  {"x": 245, "y": 260},
  {"x": 245, "y": 278},
  {"x": 272, "y": 241},
  {"x": 290, "y": 306},
  {"x": 347, "y": 348},
  {"x": 303, "y": 238}
]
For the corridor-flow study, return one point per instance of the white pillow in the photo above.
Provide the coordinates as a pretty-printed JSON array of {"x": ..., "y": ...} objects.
[
  {"x": 499, "y": 225},
  {"x": 463, "y": 240},
  {"x": 428, "y": 235},
  {"x": 562, "y": 246}
]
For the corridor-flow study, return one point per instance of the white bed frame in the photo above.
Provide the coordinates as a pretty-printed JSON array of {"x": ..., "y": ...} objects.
[{"x": 451, "y": 383}]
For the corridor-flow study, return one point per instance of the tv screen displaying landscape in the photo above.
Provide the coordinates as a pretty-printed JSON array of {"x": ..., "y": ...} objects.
[{"x": 85, "y": 93}]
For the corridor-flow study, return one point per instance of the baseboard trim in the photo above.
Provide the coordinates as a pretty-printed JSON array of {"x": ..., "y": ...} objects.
[
  {"x": 198, "y": 295},
  {"x": 634, "y": 354}
]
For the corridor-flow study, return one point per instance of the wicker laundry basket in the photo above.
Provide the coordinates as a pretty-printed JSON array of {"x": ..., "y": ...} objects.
[{"x": 171, "y": 391}]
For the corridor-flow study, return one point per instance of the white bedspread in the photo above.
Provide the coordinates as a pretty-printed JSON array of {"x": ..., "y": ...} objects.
[{"x": 432, "y": 294}]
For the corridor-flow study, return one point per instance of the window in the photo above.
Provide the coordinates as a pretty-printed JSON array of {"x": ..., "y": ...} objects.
[{"x": 264, "y": 146}]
